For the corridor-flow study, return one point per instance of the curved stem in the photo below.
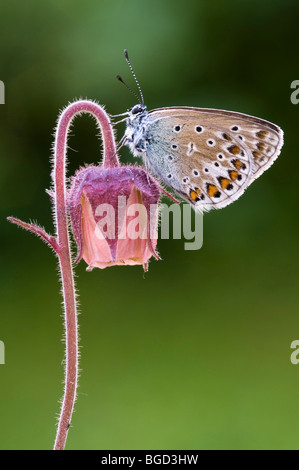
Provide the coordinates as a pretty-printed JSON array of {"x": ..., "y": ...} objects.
[
  {"x": 38, "y": 231},
  {"x": 64, "y": 253}
]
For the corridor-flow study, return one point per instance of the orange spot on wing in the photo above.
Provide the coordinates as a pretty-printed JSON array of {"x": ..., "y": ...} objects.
[
  {"x": 233, "y": 174},
  {"x": 224, "y": 182},
  {"x": 193, "y": 195},
  {"x": 234, "y": 149},
  {"x": 239, "y": 165},
  {"x": 212, "y": 190}
]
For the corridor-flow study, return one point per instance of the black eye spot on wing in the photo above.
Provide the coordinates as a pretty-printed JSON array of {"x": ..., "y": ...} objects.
[{"x": 227, "y": 137}]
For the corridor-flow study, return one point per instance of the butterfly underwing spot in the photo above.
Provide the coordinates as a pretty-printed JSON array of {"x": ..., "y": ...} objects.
[
  {"x": 195, "y": 172},
  {"x": 235, "y": 128},
  {"x": 241, "y": 137},
  {"x": 220, "y": 156},
  {"x": 238, "y": 164},
  {"x": 169, "y": 176},
  {"x": 199, "y": 129},
  {"x": 216, "y": 164},
  {"x": 191, "y": 149},
  {"x": 213, "y": 190},
  {"x": 261, "y": 134},
  {"x": 227, "y": 137},
  {"x": 225, "y": 183},
  {"x": 265, "y": 148},
  {"x": 233, "y": 174},
  {"x": 170, "y": 158},
  {"x": 234, "y": 149},
  {"x": 177, "y": 128},
  {"x": 258, "y": 156},
  {"x": 261, "y": 146},
  {"x": 174, "y": 146},
  {"x": 211, "y": 142},
  {"x": 194, "y": 196},
  {"x": 206, "y": 170},
  {"x": 186, "y": 180}
]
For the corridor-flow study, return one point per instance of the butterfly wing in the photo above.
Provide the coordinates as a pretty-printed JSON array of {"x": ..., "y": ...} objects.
[{"x": 209, "y": 157}]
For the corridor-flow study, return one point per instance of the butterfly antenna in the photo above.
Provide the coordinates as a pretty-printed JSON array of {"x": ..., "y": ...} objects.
[
  {"x": 133, "y": 73},
  {"x": 130, "y": 89}
]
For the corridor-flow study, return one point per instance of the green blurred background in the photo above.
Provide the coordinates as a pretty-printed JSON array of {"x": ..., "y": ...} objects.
[{"x": 195, "y": 354}]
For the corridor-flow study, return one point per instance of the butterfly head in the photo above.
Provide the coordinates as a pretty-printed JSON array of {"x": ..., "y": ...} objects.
[
  {"x": 136, "y": 116},
  {"x": 137, "y": 109},
  {"x": 135, "y": 135},
  {"x": 136, "y": 129}
]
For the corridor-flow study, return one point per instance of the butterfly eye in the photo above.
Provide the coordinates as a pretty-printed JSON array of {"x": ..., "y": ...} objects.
[{"x": 137, "y": 109}]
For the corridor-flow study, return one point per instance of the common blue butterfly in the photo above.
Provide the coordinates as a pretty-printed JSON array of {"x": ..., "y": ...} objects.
[{"x": 207, "y": 156}]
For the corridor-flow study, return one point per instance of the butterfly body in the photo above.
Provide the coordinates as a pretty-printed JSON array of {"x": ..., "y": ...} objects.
[{"x": 207, "y": 156}]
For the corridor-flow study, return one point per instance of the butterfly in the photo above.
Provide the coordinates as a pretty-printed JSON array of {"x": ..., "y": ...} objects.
[{"x": 208, "y": 157}]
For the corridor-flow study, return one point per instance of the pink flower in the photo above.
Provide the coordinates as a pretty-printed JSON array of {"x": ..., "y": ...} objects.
[{"x": 114, "y": 215}]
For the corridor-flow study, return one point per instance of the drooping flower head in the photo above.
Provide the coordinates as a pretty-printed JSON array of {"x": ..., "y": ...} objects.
[{"x": 114, "y": 215}]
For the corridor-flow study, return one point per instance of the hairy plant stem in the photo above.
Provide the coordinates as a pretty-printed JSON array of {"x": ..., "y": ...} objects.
[
  {"x": 61, "y": 245},
  {"x": 65, "y": 260}
]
